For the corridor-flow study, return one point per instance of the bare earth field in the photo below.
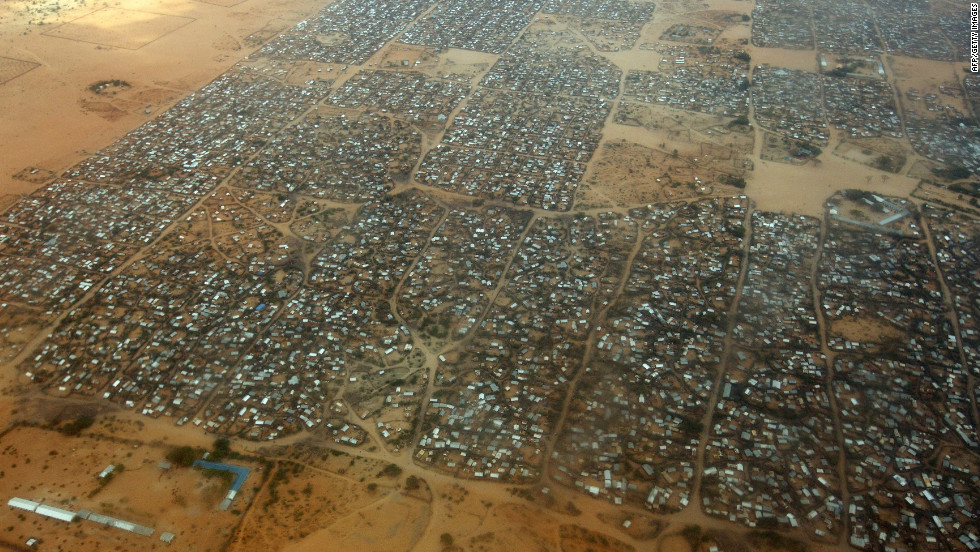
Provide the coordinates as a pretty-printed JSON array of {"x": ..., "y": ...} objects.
[
  {"x": 164, "y": 49},
  {"x": 46, "y": 466}
]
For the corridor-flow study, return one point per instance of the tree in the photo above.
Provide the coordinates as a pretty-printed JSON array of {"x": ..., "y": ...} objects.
[
  {"x": 954, "y": 173},
  {"x": 740, "y": 120},
  {"x": 411, "y": 483},
  {"x": 78, "y": 424},
  {"x": 222, "y": 447},
  {"x": 182, "y": 456},
  {"x": 391, "y": 470},
  {"x": 884, "y": 163}
]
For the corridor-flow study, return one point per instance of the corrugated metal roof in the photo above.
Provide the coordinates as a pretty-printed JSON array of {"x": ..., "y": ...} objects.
[
  {"x": 120, "y": 524},
  {"x": 23, "y": 504},
  {"x": 57, "y": 513}
]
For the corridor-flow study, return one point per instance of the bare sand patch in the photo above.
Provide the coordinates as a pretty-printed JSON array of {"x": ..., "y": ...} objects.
[
  {"x": 657, "y": 126},
  {"x": 299, "y": 502},
  {"x": 880, "y": 153},
  {"x": 642, "y": 527},
  {"x": 49, "y": 467},
  {"x": 804, "y": 189},
  {"x": 921, "y": 74},
  {"x": 20, "y": 324},
  {"x": 11, "y": 68},
  {"x": 802, "y": 60},
  {"x": 630, "y": 174},
  {"x": 103, "y": 109},
  {"x": 223, "y": 3},
  {"x": 120, "y": 28},
  {"x": 675, "y": 543},
  {"x": 395, "y": 523},
  {"x": 410, "y": 57},
  {"x": 227, "y": 43},
  {"x": 641, "y": 58},
  {"x": 466, "y": 63},
  {"x": 865, "y": 329},
  {"x": 46, "y": 124},
  {"x": 580, "y": 539},
  {"x": 6, "y": 200}
]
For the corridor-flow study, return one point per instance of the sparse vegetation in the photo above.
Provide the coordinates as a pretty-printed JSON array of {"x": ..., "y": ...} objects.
[
  {"x": 79, "y": 424},
  {"x": 103, "y": 85},
  {"x": 741, "y": 120},
  {"x": 777, "y": 541},
  {"x": 953, "y": 173},
  {"x": 391, "y": 470}
]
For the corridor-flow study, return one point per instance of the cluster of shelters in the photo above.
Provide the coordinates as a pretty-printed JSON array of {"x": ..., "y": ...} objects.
[
  {"x": 610, "y": 25},
  {"x": 930, "y": 30},
  {"x": 59, "y": 243},
  {"x": 957, "y": 240},
  {"x": 971, "y": 87},
  {"x": 550, "y": 62},
  {"x": 286, "y": 325},
  {"x": 862, "y": 107},
  {"x": 499, "y": 397},
  {"x": 883, "y": 279},
  {"x": 782, "y": 24},
  {"x": 481, "y": 25},
  {"x": 894, "y": 434},
  {"x": 345, "y": 32},
  {"x": 617, "y": 10},
  {"x": 921, "y": 29},
  {"x": 691, "y": 34},
  {"x": 414, "y": 96},
  {"x": 782, "y": 99},
  {"x": 523, "y": 148},
  {"x": 703, "y": 80},
  {"x": 453, "y": 282},
  {"x": 772, "y": 455},
  {"x": 947, "y": 139},
  {"x": 777, "y": 307},
  {"x": 335, "y": 157},
  {"x": 633, "y": 436},
  {"x": 525, "y": 135},
  {"x": 844, "y": 26}
]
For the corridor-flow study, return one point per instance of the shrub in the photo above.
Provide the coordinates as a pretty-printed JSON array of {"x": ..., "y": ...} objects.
[
  {"x": 391, "y": 470},
  {"x": 79, "y": 424}
]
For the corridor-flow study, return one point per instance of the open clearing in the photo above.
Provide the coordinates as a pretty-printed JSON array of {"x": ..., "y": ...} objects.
[{"x": 129, "y": 29}]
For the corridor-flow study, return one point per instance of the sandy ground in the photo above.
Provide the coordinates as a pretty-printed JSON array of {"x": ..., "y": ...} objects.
[
  {"x": 46, "y": 466},
  {"x": 803, "y": 60},
  {"x": 804, "y": 189},
  {"x": 164, "y": 48}
]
